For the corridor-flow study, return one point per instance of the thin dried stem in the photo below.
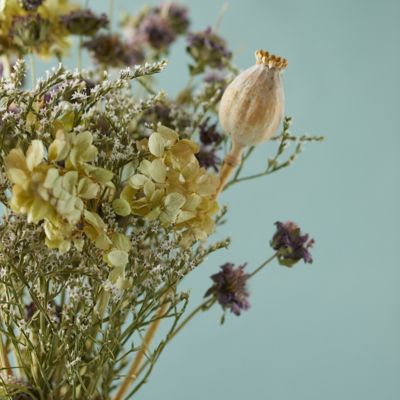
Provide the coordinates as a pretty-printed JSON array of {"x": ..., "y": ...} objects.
[{"x": 133, "y": 370}]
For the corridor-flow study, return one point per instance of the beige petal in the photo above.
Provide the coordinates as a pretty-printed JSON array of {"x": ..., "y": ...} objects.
[
  {"x": 174, "y": 202},
  {"x": 137, "y": 181},
  {"x": 121, "y": 207},
  {"x": 118, "y": 258},
  {"x": 103, "y": 242},
  {"x": 158, "y": 171},
  {"x": 102, "y": 175},
  {"x": 35, "y": 154},
  {"x": 121, "y": 242},
  {"x": 69, "y": 181},
  {"x": 87, "y": 189},
  {"x": 156, "y": 144}
]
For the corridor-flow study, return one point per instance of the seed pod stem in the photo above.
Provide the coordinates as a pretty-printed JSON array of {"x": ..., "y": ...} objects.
[{"x": 232, "y": 160}]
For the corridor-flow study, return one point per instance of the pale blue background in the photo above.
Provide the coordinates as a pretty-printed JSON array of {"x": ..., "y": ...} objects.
[{"x": 331, "y": 330}]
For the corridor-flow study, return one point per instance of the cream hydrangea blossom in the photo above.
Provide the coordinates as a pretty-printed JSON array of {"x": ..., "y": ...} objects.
[
  {"x": 58, "y": 189},
  {"x": 169, "y": 185}
]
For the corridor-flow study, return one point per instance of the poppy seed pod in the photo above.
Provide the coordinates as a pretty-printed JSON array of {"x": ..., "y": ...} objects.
[{"x": 252, "y": 107}]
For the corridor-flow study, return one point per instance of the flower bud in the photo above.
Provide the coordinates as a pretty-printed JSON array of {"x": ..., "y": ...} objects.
[{"x": 252, "y": 107}]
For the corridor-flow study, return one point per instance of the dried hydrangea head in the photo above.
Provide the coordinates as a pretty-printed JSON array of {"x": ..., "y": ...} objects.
[
  {"x": 291, "y": 245},
  {"x": 170, "y": 186},
  {"x": 230, "y": 288},
  {"x": 56, "y": 189},
  {"x": 84, "y": 22}
]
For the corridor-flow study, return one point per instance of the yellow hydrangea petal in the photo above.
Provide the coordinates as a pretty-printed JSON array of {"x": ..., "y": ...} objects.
[
  {"x": 121, "y": 242},
  {"x": 145, "y": 167},
  {"x": 118, "y": 258},
  {"x": 158, "y": 171},
  {"x": 69, "y": 181},
  {"x": 94, "y": 220},
  {"x": 51, "y": 177},
  {"x": 121, "y": 207},
  {"x": 169, "y": 135},
  {"x": 184, "y": 216},
  {"x": 35, "y": 154},
  {"x": 87, "y": 189},
  {"x": 156, "y": 144},
  {"x": 174, "y": 201},
  {"x": 15, "y": 160},
  {"x": 103, "y": 242},
  {"x": 18, "y": 176},
  {"x": 137, "y": 181},
  {"x": 102, "y": 175}
]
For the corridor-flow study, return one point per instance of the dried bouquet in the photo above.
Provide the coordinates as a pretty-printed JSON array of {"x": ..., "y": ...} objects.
[{"x": 109, "y": 192}]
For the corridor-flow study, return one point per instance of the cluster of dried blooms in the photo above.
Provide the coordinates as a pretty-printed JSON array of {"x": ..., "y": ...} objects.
[{"x": 109, "y": 195}]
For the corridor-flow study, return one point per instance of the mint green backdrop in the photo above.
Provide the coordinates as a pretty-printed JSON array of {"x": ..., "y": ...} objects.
[{"x": 330, "y": 330}]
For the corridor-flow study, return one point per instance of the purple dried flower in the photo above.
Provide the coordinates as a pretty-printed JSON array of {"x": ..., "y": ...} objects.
[
  {"x": 177, "y": 16},
  {"x": 230, "y": 288},
  {"x": 107, "y": 49},
  {"x": 290, "y": 244},
  {"x": 84, "y": 22},
  {"x": 157, "y": 32},
  {"x": 31, "y": 5},
  {"x": 209, "y": 133},
  {"x": 30, "y": 310},
  {"x": 22, "y": 396},
  {"x": 134, "y": 53},
  {"x": 208, "y": 159},
  {"x": 208, "y": 49},
  {"x": 215, "y": 77}
]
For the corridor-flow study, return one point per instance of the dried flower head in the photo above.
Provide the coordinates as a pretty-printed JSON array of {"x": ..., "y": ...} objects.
[
  {"x": 29, "y": 30},
  {"x": 209, "y": 133},
  {"x": 157, "y": 32},
  {"x": 84, "y": 22},
  {"x": 290, "y": 244},
  {"x": 134, "y": 53},
  {"x": 176, "y": 14},
  {"x": 31, "y": 5},
  {"x": 107, "y": 49},
  {"x": 208, "y": 158},
  {"x": 208, "y": 49},
  {"x": 230, "y": 288},
  {"x": 55, "y": 190}
]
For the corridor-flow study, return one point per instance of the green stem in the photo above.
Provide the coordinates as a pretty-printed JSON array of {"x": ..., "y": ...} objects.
[
  {"x": 206, "y": 305},
  {"x": 33, "y": 69},
  {"x": 262, "y": 265},
  {"x": 146, "y": 86},
  {"x": 111, "y": 13},
  {"x": 79, "y": 61}
]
